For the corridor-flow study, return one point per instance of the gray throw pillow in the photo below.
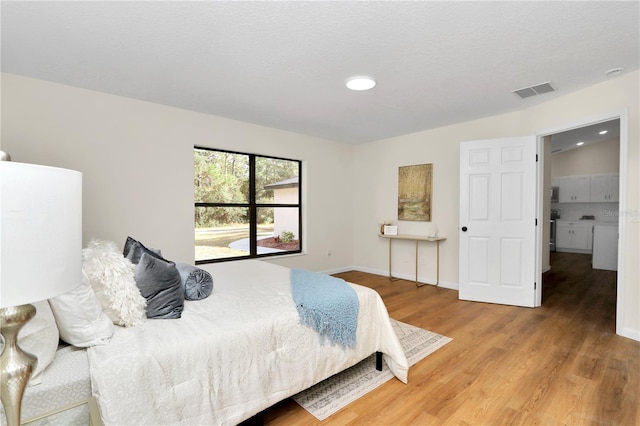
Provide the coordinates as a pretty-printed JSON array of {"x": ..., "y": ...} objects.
[
  {"x": 134, "y": 249},
  {"x": 197, "y": 283},
  {"x": 159, "y": 282}
]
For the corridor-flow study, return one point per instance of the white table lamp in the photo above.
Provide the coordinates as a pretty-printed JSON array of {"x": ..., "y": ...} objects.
[{"x": 40, "y": 257}]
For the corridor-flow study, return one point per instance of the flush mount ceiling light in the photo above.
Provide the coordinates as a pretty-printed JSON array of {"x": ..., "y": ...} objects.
[
  {"x": 602, "y": 132},
  {"x": 614, "y": 71},
  {"x": 360, "y": 82}
]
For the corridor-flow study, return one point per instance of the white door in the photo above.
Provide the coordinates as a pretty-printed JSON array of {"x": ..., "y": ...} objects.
[{"x": 498, "y": 221}]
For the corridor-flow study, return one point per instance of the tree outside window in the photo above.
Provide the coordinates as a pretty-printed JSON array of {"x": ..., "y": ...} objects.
[{"x": 246, "y": 205}]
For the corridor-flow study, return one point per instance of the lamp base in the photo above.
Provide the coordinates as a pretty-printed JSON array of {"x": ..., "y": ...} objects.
[{"x": 16, "y": 365}]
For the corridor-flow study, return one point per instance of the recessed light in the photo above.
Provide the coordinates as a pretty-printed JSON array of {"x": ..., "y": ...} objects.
[
  {"x": 580, "y": 143},
  {"x": 603, "y": 132},
  {"x": 360, "y": 82}
]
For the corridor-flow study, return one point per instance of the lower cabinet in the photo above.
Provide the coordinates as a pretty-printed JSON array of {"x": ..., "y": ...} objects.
[{"x": 576, "y": 236}]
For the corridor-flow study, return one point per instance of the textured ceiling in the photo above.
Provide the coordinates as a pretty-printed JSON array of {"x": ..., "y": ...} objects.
[{"x": 283, "y": 64}]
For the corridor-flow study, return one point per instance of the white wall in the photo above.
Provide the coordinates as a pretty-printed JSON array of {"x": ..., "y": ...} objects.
[
  {"x": 601, "y": 157},
  {"x": 376, "y": 167},
  {"x": 137, "y": 163}
]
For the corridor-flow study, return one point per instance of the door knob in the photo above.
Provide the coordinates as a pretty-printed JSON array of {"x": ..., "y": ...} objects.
[{"x": 464, "y": 229}]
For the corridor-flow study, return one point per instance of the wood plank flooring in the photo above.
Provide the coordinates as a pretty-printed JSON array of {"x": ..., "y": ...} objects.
[{"x": 555, "y": 365}]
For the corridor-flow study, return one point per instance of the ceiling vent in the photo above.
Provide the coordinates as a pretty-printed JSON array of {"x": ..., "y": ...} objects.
[{"x": 538, "y": 89}]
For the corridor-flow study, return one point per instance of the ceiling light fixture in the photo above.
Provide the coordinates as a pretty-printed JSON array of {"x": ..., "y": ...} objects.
[
  {"x": 603, "y": 132},
  {"x": 580, "y": 143},
  {"x": 614, "y": 71},
  {"x": 360, "y": 82}
]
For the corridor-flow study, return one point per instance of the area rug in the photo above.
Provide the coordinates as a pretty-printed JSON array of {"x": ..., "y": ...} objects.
[{"x": 333, "y": 394}]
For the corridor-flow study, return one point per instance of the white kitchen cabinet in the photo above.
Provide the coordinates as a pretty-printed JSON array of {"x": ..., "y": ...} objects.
[
  {"x": 605, "y": 247},
  {"x": 574, "y": 236},
  {"x": 604, "y": 188},
  {"x": 574, "y": 189}
]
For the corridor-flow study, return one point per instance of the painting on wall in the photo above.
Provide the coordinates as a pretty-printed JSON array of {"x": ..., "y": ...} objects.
[{"x": 414, "y": 192}]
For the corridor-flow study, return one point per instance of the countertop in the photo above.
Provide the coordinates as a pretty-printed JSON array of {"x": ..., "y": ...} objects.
[{"x": 606, "y": 223}]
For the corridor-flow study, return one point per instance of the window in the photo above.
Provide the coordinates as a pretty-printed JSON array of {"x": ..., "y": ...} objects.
[{"x": 246, "y": 205}]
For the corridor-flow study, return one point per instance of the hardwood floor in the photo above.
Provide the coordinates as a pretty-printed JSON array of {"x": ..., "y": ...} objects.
[{"x": 558, "y": 364}]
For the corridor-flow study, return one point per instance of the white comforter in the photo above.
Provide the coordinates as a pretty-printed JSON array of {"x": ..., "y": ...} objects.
[{"x": 231, "y": 355}]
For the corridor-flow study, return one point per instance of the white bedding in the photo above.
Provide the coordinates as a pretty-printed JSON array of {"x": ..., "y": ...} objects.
[{"x": 231, "y": 355}]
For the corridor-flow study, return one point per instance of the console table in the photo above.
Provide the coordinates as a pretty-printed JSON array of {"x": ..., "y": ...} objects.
[{"x": 417, "y": 239}]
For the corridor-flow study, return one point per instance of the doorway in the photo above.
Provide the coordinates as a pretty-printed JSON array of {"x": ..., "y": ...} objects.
[{"x": 567, "y": 139}]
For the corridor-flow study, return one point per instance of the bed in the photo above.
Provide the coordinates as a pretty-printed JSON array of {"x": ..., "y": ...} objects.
[{"x": 230, "y": 356}]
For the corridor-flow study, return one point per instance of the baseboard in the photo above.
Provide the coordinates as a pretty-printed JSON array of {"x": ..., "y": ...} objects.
[
  {"x": 579, "y": 251},
  {"x": 338, "y": 270},
  {"x": 428, "y": 280},
  {"x": 630, "y": 334},
  {"x": 546, "y": 268}
]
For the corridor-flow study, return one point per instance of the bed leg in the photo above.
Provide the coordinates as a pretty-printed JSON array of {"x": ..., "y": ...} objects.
[
  {"x": 379, "y": 361},
  {"x": 256, "y": 420}
]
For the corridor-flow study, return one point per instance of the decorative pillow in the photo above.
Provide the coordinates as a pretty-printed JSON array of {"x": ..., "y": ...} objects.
[
  {"x": 40, "y": 337},
  {"x": 197, "y": 283},
  {"x": 80, "y": 318},
  {"x": 134, "y": 249},
  {"x": 159, "y": 282},
  {"x": 111, "y": 277}
]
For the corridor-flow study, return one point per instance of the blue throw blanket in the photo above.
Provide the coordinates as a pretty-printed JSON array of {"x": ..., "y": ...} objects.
[{"x": 327, "y": 304}]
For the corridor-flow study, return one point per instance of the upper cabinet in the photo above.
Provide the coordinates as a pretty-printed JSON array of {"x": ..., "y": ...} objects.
[
  {"x": 605, "y": 188},
  {"x": 574, "y": 189},
  {"x": 600, "y": 188}
]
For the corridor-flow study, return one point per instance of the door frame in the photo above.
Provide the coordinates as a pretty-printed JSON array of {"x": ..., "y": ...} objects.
[{"x": 622, "y": 115}]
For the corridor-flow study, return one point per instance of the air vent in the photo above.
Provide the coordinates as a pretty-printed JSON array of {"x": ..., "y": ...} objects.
[{"x": 538, "y": 89}]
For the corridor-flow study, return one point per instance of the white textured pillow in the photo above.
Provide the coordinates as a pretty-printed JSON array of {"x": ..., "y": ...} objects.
[
  {"x": 39, "y": 337},
  {"x": 111, "y": 277},
  {"x": 80, "y": 318}
]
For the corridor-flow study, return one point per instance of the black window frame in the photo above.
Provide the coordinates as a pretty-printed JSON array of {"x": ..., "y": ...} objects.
[{"x": 253, "y": 207}]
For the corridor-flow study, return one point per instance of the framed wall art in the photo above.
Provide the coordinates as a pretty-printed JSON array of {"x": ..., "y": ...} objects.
[{"x": 414, "y": 192}]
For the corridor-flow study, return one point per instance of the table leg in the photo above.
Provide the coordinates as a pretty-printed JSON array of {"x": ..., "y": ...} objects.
[
  {"x": 437, "y": 262},
  {"x": 416, "y": 261},
  {"x": 390, "y": 277}
]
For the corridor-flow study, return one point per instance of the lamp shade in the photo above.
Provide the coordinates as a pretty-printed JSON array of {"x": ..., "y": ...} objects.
[{"x": 40, "y": 232}]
